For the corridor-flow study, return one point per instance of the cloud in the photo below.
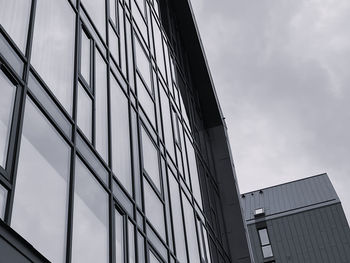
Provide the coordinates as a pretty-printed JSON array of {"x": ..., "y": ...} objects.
[{"x": 281, "y": 70}]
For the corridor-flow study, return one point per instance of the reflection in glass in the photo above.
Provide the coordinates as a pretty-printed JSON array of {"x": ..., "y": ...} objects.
[
  {"x": 113, "y": 43},
  {"x": 153, "y": 258},
  {"x": 154, "y": 209},
  {"x": 119, "y": 237},
  {"x": 97, "y": 12},
  {"x": 101, "y": 106},
  {"x": 193, "y": 172},
  {"x": 141, "y": 247},
  {"x": 131, "y": 239},
  {"x": 166, "y": 116},
  {"x": 146, "y": 101},
  {"x": 53, "y": 48},
  {"x": 7, "y": 97},
  {"x": 264, "y": 238},
  {"x": 158, "y": 46},
  {"x": 190, "y": 230},
  {"x": 84, "y": 112},
  {"x": 177, "y": 219},
  {"x": 90, "y": 219},
  {"x": 150, "y": 159},
  {"x": 40, "y": 213},
  {"x": 143, "y": 64},
  {"x": 267, "y": 251},
  {"x": 3, "y": 197},
  {"x": 85, "y": 58},
  {"x": 14, "y": 17},
  {"x": 120, "y": 135}
]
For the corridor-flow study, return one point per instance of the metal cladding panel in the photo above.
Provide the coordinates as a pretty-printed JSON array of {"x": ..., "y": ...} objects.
[
  {"x": 319, "y": 235},
  {"x": 290, "y": 196}
]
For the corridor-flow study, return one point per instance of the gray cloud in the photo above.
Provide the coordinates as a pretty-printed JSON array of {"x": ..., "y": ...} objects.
[{"x": 281, "y": 70}]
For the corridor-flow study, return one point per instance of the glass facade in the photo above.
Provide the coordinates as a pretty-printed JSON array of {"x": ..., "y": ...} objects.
[{"x": 101, "y": 154}]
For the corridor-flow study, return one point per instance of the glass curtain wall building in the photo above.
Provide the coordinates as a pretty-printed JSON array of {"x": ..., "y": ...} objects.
[{"x": 112, "y": 143}]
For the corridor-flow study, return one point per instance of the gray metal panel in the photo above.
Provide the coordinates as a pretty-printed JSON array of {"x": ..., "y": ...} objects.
[
  {"x": 290, "y": 196},
  {"x": 319, "y": 235}
]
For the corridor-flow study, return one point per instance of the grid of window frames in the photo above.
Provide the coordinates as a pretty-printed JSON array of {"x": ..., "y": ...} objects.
[{"x": 97, "y": 105}]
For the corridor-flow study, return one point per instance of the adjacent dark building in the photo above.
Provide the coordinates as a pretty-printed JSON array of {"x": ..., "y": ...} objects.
[
  {"x": 296, "y": 222},
  {"x": 113, "y": 146}
]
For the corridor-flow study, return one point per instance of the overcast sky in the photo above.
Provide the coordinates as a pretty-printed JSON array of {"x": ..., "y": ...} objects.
[{"x": 282, "y": 73}]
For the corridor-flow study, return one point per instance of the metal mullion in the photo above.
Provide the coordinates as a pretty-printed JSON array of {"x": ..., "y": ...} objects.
[
  {"x": 10, "y": 72},
  {"x": 13, "y": 45},
  {"x": 93, "y": 85},
  {"x": 17, "y": 134},
  {"x": 69, "y": 235},
  {"x": 5, "y": 183}
]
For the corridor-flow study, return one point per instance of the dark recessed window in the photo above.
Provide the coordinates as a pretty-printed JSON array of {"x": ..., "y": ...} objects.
[{"x": 3, "y": 197}]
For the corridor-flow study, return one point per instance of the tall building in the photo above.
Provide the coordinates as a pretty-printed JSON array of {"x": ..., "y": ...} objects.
[
  {"x": 297, "y": 222},
  {"x": 112, "y": 143}
]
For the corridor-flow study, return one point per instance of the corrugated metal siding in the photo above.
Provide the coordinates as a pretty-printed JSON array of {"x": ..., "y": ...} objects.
[
  {"x": 320, "y": 235},
  {"x": 289, "y": 196}
]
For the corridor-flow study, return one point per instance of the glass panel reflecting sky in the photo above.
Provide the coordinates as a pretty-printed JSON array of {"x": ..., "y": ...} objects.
[
  {"x": 154, "y": 209},
  {"x": 90, "y": 219},
  {"x": 7, "y": 97},
  {"x": 150, "y": 159},
  {"x": 53, "y": 48},
  {"x": 85, "y": 56},
  {"x": 120, "y": 135},
  {"x": 84, "y": 112},
  {"x": 40, "y": 213},
  {"x": 3, "y": 196},
  {"x": 267, "y": 251},
  {"x": 264, "y": 238},
  {"x": 14, "y": 17},
  {"x": 119, "y": 237},
  {"x": 97, "y": 11},
  {"x": 101, "y": 106}
]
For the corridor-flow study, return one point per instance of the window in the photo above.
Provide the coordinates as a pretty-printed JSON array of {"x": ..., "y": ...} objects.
[
  {"x": 154, "y": 209},
  {"x": 265, "y": 243},
  {"x": 178, "y": 224},
  {"x": 85, "y": 57},
  {"x": 7, "y": 99},
  {"x": 90, "y": 219},
  {"x": 119, "y": 237},
  {"x": 40, "y": 213},
  {"x": 3, "y": 198},
  {"x": 53, "y": 48},
  {"x": 143, "y": 64},
  {"x": 14, "y": 17},
  {"x": 192, "y": 242},
  {"x": 97, "y": 12},
  {"x": 153, "y": 258},
  {"x": 101, "y": 113},
  {"x": 84, "y": 112},
  {"x": 121, "y": 152},
  {"x": 150, "y": 159}
]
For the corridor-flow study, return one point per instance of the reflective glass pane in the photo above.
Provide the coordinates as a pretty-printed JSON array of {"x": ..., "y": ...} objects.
[
  {"x": 113, "y": 44},
  {"x": 101, "y": 106},
  {"x": 154, "y": 209},
  {"x": 84, "y": 112},
  {"x": 85, "y": 58},
  {"x": 97, "y": 12},
  {"x": 177, "y": 219},
  {"x": 158, "y": 40},
  {"x": 143, "y": 64},
  {"x": 267, "y": 251},
  {"x": 193, "y": 172},
  {"x": 264, "y": 238},
  {"x": 131, "y": 239},
  {"x": 40, "y": 213},
  {"x": 146, "y": 101},
  {"x": 53, "y": 48},
  {"x": 90, "y": 219},
  {"x": 113, "y": 11},
  {"x": 141, "y": 247},
  {"x": 120, "y": 135},
  {"x": 3, "y": 197},
  {"x": 150, "y": 159},
  {"x": 119, "y": 237},
  {"x": 168, "y": 132},
  {"x": 153, "y": 258},
  {"x": 190, "y": 230},
  {"x": 14, "y": 17},
  {"x": 7, "y": 98}
]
